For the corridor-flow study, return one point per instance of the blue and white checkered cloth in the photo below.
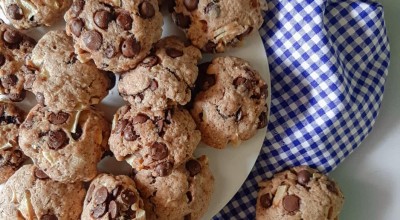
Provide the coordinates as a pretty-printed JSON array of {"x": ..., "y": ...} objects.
[{"x": 328, "y": 61}]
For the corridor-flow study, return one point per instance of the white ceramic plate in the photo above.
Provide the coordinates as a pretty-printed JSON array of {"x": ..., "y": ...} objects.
[{"x": 230, "y": 166}]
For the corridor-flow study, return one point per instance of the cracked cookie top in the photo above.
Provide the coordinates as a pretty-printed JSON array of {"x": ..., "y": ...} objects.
[{"x": 116, "y": 34}]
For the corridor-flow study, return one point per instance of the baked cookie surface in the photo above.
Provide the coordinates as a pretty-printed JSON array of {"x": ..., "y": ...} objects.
[{"x": 117, "y": 35}]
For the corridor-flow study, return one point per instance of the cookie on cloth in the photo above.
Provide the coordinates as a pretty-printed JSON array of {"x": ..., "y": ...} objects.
[
  {"x": 24, "y": 14},
  {"x": 66, "y": 145},
  {"x": 185, "y": 194},
  {"x": 231, "y": 103},
  {"x": 31, "y": 194},
  {"x": 158, "y": 141},
  {"x": 214, "y": 25},
  {"x": 14, "y": 48},
  {"x": 116, "y": 34},
  {"x": 61, "y": 82},
  {"x": 113, "y": 197},
  {"x": 11, "y": 156},
  {"x": 164, "y": 78},
  {"x": 299, "y": 193}
]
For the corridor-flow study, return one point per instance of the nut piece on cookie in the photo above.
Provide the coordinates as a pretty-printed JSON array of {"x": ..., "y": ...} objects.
[
  {"x": 214, "y": 25},
  {"x": 11, "y": 156},
  {"x": 231, "y": 102},
  {"x": 61, "y": 82},
  {"x": 14, "y": 48},
  {"x": 25, "y": 14},
  {"x": 158, "y": 141},
  {"x": 164, "y": 78},
  {"x": 31, "y": 194},
  {"x": 66, "y": 145},
  {"x": 116, "y": 35},
  {"x": 113, "y": 197},
  {"x": 299, "y": 193},
  {"x": 185, "y": 194}
]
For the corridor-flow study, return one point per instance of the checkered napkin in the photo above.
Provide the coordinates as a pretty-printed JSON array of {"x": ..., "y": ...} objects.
[{"x": 328, "y": 63}]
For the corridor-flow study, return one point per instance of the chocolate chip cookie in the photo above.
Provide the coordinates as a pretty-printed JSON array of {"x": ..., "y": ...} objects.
[
  {"x": 231, "y": 103},
  {"x": 62, "y": 82},
  {"x": 14, "y": 48},
  {"x": 299, "y": 193},
  {"x": 113, "y": 197},
  {"x": 24, "y": 14},
  {"x": 66, "y": 145},
  {"x": 30, "y": 194},
  {"x": 185, "y": 194},
  {"x": 164, "y": 78},
  {"x": 117, "y": 34},
  {"x": 11, "y": 156},
  {"x": 213, "y": 25},
  {"x": 153, "y": 140}
]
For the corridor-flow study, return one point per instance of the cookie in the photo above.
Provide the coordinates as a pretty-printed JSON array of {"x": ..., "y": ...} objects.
[
  {"x": 113, "y": 197},
  {"x": 231, "y": 103},
  {"x": 299, "y": 193},
  {"x": 24, "y": 14},
  {"x": 66, "y": 145},
  {"x": 30, "y": 194},
  {"x": 164, "y": 78},
  {"x": 185, "y": 194},
  {"x": 117, "y": 35},
  {"x": 153, "y": 140},
  {"x": 14, "y": 48},
  {"x": 62, "y": 82},
  {"x": 214, "y": 25},
  {"x": 11, "y": 156}
]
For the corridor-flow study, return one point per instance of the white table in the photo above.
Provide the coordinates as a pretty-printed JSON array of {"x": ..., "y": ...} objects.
[{"x": 370, "y": 177}]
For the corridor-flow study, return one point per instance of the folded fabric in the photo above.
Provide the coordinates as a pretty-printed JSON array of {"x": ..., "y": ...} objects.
[{"x": 328, "y": 62}]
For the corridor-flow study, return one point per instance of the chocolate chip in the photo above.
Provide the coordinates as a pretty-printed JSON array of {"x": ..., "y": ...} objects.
[
  {"x": 12, "y": 36},
  {"x": 78, "y": 133},
  {"x": 130, "y": 47},
  {"x": 291, "y": 203},
  {"x": 128, "y": 197},
  {"x": 57, "y": 139},
  {"x": 263, "y": 120},
  {"x": 146, "y": 10},
  {"x": 303, "y": 177},
  {"x": 102, "y": 18},
  {"x": 193, "y": 166},
  {"x": 48, "y": 217},
  {"x": 239, "y": 115},
  {"x": 17, "y": 97},
  {"x": 40, "y": 174},
  {"x": 264, "y": 90},
  {"x": 2, "y": 59},
  {"x": 153, "y": 85},
  {"x": 140, "y": 119},
  {"x": 159, "y": 151},
  {"x": 76, "y": 26},
  {"x": 209, "y": 81},
  {"x": 331, "y": 186},
  {"x": 115, "y": 192},
  {"x": 40, "y": 98},
  {"x": 266, "y": 200},
  {"x": 93, "y": 40},
  {"x": 89, "y": 193},
  {"x": 191, "y": 5},
  {"x": 99, "y": 210},
  {"x": 8, "y": 81},
  {"x": 188, "y": 217},
  {"x": 101, "y": 195},
  {"x": 121, "y": 126},
  {"x": 150, "y": 61},
  {"x": 129, "y": 133},
  {"x": 189, "y": 196},
  {"x": 130, "y": 214},
  {"x": 174, "y": 53},
  {"x": 163, "y": 169},
  {"x": 59, "y": 118},
  {"x": 15, "y": 12},
  {"x": 124, "y": 20},
  {"x": 113, "y": 209},
  {"x": 213, "y": 10},
  {"x": 239, "y": 81},
  {"x": 182, "y": 20},
  {"x": 77, "y": 7},
  {"x": 210, "y": 47}
]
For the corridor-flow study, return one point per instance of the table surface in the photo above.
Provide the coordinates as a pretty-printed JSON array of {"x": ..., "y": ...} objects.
[{"x": 370, "y": 177}]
